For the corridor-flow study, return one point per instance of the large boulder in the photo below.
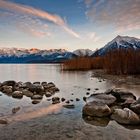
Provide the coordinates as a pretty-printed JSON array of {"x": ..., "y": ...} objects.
[
  {"x": 17, "y": 94},
  {"x": 96, "y": 109},
  {"x": 102, "y": 98},
  {"x": 125, "y": 116},
  {"x": 121, "y": 94}
]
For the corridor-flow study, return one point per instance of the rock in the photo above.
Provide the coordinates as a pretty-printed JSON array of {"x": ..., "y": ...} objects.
[
  {"x": 15, "y": 110},
  {"x": 63, "y": 99},
  {"x": 72, "y": 94},
  {"x": 35, "y": 101},
  {"x": 71, "y": 100},
  {"x": 38, "y": 83},
  {"x": 7, "y": 89},
  {"x": 77, "y": 99},
  {"x": 55, "y": 100},
  {"x": 87, "y": 93},
  {"x": 36, "y": 88},
  {"x": 17, "y": 94},
  {"x": 3, "y": 121},
  {"x": 84, "y": 99},
  {"x": 88, "y": 89},
  {"x": 9, "y": 83},
  {"x": 69, "y": 106},
  {"x": 96, "y": 89},
  {"x": 121, "y": 94},
  {"x": 49, "y": 85},
  {"x": 102, "y": 98},
  {"x": 135, "y": 107},
  {"x": 26, "y": 85},
  {"x": 44, "y": 83},
  {"x": 125, "y": 116},
  {"x": 67, "y": 102},
  {"x": 36, "y": 96},
  {"x": 0, "y": 94},
  {"x": 48, "y": 94},
  {"x": 128, "y": 102},
  {"x": 97, "y": 121},
  {"x": 27, "y": 93},
  {"x": 96, "y": 109}
]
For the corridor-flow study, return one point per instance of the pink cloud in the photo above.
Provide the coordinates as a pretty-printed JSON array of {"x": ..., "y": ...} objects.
[{"x": 27, "y": 10}]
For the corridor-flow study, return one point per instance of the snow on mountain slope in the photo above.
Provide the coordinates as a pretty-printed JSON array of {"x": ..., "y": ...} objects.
[
  {"x": 83, "y": 52},
  {"x": 120, "y": 42}
]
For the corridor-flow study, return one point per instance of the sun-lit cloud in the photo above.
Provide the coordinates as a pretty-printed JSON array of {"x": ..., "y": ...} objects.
[
  {"x": 30, "y": 11},
  {"x": 124, "y": 15}
]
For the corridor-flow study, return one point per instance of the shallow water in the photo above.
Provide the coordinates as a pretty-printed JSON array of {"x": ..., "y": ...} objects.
[{"x": 46, "y": 121}]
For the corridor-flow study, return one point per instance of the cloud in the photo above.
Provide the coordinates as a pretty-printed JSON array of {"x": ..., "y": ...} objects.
[
  {"x": 124, "y": 15},
  {"x": 27, "y": 10},
  {"x": 94, "y": 37}
]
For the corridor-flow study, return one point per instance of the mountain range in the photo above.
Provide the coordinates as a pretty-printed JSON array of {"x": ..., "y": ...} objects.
[{"x": 16, "y": 55}]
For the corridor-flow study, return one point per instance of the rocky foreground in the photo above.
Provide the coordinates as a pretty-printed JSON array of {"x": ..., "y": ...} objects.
[
  {"x": 114, "y": 104},
  {"x": 35, "y": 90}
]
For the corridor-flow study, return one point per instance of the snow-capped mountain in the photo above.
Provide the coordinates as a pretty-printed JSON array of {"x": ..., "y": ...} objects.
[
  {"x": 83, "y": 52},
  {"x": 15, "y": 55},
  {"x": 120, "y": 42}
]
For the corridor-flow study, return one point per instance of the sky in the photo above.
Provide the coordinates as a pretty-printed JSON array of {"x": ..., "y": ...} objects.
[{"x": 66, "y": 24}]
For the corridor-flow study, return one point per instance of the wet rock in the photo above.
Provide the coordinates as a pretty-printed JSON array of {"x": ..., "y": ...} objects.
[
  {"x": 88, "y": 89},
  {"x": 77, "y": 99},
  {"x": 3, "y": 121},
  {"x": 53, "y": 90},
  {"x": 26, "y": 85},
  {"x": 125, "y": 116},
  {"x": 96, "y": 109},
  {"x": 9, "y": 83},
  {"x": 69, "y": 106},
  {"x": 36, "y": 96},
  {"x": 7, "y": 89},
  {"x": 55, "y": 100},
  {"x": 27, "y": 93},
  {"x": 48, "y": 94},
  {"x": 17, "y": 94},
  {"x": 102, "y": 98},
  {"x": 72, "y": 94},
  {"x": 36, "y": 101},
  {"x": 44, "y": 83},
  {"x": 63, "y": 99},
  {"x": 121, "y": 94},
  {"x": 15, "y": 110},
  {"x": 97, "y": 121}
]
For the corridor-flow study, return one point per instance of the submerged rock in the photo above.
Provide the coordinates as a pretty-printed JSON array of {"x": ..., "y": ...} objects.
[
  {"x": 63, "y": 99},
  {"x": 97, "y": 121},
  {"x": 36, "y": 101},
  {"x": 15, "y": 110},
  {"x": 96, "y": 109},
  {"x": 69, "y": 106},
  {"x": 125, "y": 116},
  {"x": 3, "y": 121},
  {"x": 77, "y": 99},
  {"x": 17, "y": 94}
]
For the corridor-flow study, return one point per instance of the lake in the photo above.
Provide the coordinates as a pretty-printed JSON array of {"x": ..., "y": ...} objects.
[{"x": 45, "y": 121}]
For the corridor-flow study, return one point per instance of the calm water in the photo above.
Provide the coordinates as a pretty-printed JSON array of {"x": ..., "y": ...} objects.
[{"x": 45, "y": 121}]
